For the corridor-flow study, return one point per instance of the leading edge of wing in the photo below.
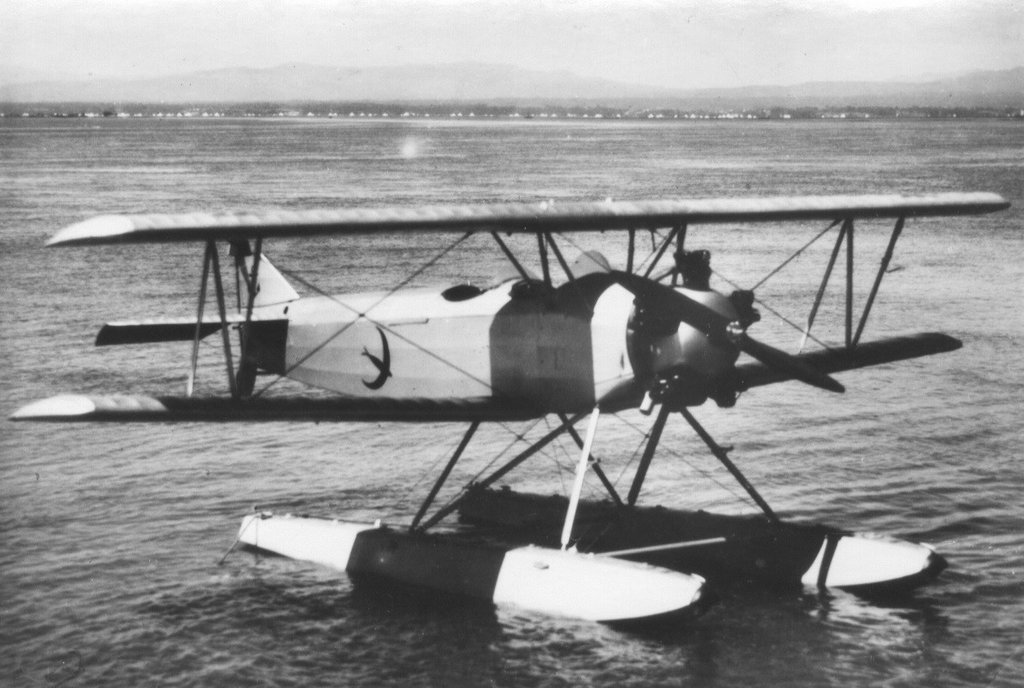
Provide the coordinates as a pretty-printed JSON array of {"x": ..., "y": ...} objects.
[
  {"x": 128, "y": 408},
  {"x": 550, "y": 216}
]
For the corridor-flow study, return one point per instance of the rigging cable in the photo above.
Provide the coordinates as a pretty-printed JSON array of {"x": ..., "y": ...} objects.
[
  {"x": 416, "y": 273},
  {"x": 707, "y": 475}
]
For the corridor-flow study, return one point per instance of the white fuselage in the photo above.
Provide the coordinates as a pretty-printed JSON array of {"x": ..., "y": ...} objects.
[
  {"x": 418, "y": 344},
  {"x": 570, "y": 347}
]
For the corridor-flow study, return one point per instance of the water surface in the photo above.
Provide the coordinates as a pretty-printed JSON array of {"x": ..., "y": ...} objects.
[{"x": 112, "y": 533}]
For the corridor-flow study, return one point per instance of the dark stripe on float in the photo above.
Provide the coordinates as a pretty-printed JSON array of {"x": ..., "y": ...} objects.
[
  {"x": 427, "y": 561},
  {"x": 831, "y": 543}
]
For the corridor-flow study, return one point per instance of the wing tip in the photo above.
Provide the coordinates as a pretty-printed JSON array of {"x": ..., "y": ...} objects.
[
  {"x": 63, "y": 406},
  {"x": 83, "y": 407},
  {"x": 100, "y": 229}
]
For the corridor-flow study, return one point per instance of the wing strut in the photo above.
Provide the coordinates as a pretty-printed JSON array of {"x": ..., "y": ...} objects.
[
  {"x": 852, "y": 336},
  {"x": 218, "y": 286},
  {"x": 883, "y": 266},
  {"x": 559, "y": 256},
  {"x": 849, "y": 286},
  {"x": 247, "y": 366},
  {"x": 824, "y": 282},
  {"x": 631, "y": 251},
  {"x": 211, "y": 262},
  {"x": 511, "y": 257},
  {"x": 190, "y": 383},
  {"x": 542, "y": 249},
  {"x": 664, "y": 247},
  {"x": 680, "y": 251}
]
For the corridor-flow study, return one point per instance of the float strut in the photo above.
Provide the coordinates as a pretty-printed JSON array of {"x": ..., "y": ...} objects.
[
  {"x": 581, "y": 472},
  {"x": 645, "y": 460},
  {"x": 501, "y": 472},
  {"x": 595, "y": 464},
  {"x": 721, "y": 455},
  {"x": 444, "y": 474}
]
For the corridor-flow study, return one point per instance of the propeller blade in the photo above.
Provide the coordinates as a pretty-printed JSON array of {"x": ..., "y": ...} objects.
[
  {"x": 789, "y": 364},
  {"x": 692, "y": 312},
  {"x": 716, "y": 326}
]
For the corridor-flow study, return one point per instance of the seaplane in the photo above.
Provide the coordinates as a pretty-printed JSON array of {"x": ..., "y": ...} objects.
[{"x": 569, "y": 342}]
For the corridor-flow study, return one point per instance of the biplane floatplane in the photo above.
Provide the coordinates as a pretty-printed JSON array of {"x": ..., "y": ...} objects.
[{"x": 644, "y": 337}]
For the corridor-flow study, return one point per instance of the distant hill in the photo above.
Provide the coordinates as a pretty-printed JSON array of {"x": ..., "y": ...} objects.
[
  {"x": 1004, "y": 88},
  {"x": 301, "y": 82},
  {"x": 474, "y": 82}
]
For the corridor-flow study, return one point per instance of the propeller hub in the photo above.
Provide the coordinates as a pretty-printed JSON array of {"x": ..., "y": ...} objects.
[
  {"x": 735, "y": 331},
  {"x": 684, "y": 342}
]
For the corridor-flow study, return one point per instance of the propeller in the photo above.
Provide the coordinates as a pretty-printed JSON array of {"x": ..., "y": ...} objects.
[
  {"x": 721, "y": 329},
  {"x": 787, "y": 363}
]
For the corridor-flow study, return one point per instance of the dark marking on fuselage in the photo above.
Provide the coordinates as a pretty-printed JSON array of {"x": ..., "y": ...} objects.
[{"x": 383, "y": 364}]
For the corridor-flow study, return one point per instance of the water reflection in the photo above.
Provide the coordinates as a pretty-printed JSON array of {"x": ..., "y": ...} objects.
[{"x": 841, "y": 608}]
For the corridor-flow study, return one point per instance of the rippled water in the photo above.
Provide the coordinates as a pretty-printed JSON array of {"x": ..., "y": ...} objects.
[{"x": 111, "y": 534}]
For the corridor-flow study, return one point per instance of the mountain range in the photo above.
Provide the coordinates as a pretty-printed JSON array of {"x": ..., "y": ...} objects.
[{"x": 475, "y": 82}]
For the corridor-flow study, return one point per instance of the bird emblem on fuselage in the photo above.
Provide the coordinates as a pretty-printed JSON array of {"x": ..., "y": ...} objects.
[{"x": 382, "y": 364}]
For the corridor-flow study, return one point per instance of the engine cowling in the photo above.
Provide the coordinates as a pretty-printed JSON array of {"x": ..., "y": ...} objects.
[{"x": 679, "y": 364}]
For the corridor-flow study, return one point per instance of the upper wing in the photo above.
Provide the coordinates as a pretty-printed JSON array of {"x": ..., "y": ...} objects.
[{"x": 515, "y": 217}]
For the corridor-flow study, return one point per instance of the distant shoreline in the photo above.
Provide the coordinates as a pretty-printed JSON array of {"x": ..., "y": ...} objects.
[{"x": 485, "y": 111}]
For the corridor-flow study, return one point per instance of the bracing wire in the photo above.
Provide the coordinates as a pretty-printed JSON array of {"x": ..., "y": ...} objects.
[
  {"x": 361, "y": 314},
  {"x": 799, "y": 328},
  {"x": 793, "y": 256},
  {"x": 516, "y": 437},
  {"x": 707, "y": 475}
]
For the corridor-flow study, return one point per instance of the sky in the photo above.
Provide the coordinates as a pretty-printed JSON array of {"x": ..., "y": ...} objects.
[{"x": 676, "y": 44}]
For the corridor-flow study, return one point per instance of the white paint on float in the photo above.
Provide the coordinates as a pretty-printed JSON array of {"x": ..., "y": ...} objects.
[
  {"x": 592, "y": 587},
  {"x": 320, "y": 541},
  {"x": 865, "y": 559},
  {"x": 549, "y": 581}
]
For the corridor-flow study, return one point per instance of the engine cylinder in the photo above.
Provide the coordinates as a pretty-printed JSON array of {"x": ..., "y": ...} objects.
[{"x": 682, "y": 365}]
